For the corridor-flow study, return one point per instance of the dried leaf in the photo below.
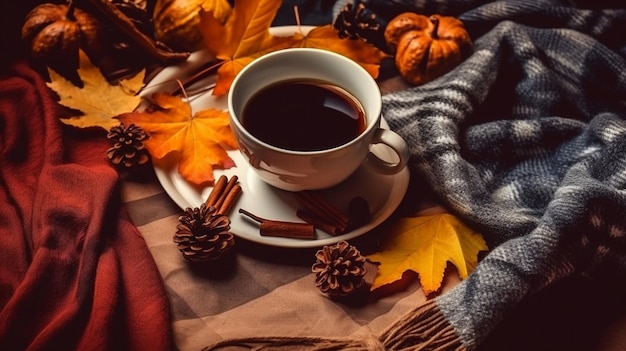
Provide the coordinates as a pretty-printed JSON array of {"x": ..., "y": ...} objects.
[
  {"x": 98, "y": 100},
  {"x": 425, "y": 244},
  {"x": 201, "y": 138},
  {"x": 325, "y": 37}
]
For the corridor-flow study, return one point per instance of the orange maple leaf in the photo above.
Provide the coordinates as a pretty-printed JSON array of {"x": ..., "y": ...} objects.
[
  {"x": 325, "y": 37},
  {"x": 425, "y": 244},
  {"x": 201, "y": 138},
  {"x": 244, "y": 37}
]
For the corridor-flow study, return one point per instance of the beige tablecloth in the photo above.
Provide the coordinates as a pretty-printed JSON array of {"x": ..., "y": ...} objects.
[{"x": 259, "y": 290}]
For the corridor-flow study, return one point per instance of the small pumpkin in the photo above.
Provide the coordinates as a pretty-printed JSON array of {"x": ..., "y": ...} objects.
[
  {"x": 56, "y": 32},
  {"x": 176, "y": 21},
  {"x": 426, "y": 47}
]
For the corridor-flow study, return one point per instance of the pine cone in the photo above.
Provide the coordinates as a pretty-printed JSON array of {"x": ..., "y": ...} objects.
[
  {"x": 357, "y": 22},
  {"x": 339, "y": 269},
  {"x": 203, "y": 235},
  {"x": 128, "y": 148}
]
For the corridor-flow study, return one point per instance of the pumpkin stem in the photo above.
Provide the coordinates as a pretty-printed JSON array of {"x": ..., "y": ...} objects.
[
  {"x": 70, "y": 10},
  {"x": 435, "y": 21}
]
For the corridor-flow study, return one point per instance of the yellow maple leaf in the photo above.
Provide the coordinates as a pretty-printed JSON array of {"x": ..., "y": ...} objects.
[
  {"x": 425, "y": 244},
  {"x": 98, "y": 100},
  {"x": 200, "y": 138}
]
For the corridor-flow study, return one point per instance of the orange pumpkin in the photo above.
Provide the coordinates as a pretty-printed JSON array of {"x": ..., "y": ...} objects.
[{"x": 426, "y": 47}]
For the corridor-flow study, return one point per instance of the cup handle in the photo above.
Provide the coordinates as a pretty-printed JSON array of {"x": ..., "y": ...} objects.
[{"x": 394, "y": 142}]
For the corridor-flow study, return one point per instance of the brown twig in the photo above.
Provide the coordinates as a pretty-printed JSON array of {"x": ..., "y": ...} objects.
[{"x": 126, "y": 25}]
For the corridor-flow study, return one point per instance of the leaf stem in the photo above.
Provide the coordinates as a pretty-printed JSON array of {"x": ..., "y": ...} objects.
[
  {"x": 205, "y": 70},
  {"x": 296, "y": 14}
]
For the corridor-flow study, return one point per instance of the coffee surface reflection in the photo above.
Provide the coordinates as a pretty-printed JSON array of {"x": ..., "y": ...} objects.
[{"x": 304, "y": 115}]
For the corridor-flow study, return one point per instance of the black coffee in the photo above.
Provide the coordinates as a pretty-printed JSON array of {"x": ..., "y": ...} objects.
[{"x": 303, "y": 115}]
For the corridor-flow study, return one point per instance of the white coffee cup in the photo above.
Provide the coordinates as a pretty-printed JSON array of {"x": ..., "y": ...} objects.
[{"x": 309, "y": 170}]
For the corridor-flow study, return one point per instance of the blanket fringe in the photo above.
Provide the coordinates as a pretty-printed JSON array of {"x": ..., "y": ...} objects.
[{"x": 423, "y": 328}]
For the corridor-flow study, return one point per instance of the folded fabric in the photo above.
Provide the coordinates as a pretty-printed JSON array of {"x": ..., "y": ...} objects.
[
  {"x": 525, "y": 140},
  {"x": 75, "y": 274}
]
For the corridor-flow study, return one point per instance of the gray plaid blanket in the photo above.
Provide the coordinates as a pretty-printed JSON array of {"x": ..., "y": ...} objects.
[{"x": 526, "y": 141}]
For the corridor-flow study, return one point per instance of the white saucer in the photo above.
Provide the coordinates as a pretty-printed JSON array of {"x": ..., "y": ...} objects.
[{"x": 382, "y": 192}]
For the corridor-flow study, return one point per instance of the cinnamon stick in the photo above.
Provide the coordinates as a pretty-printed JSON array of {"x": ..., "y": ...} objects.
[
  {"x": 229, "y": 186},
  {"x": 283, "y": 229},
  {"x": 231, "y": 196},
  {"x": 216, "y": 192},
  {"x": 323, "y": 210},
  {"x": 224, "y": 194},
  {"x": 317, "y": 222}
]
